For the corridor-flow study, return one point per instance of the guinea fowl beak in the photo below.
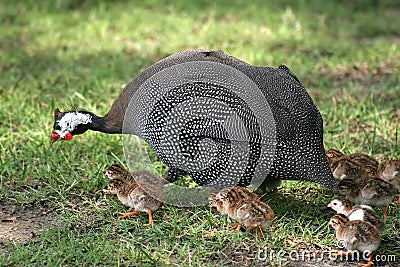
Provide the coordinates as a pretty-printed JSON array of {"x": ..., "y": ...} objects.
[{"x": 54, "y": 137}]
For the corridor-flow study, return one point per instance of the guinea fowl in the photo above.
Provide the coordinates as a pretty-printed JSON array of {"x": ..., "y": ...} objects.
[{"x": 281, "y": 130}]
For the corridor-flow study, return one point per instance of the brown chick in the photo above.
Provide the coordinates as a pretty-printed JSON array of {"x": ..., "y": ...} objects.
[
  {"x": 124, "y": 184},
  {"x": 389, "y": 171},
  {"x": 359, "y": 212},
  {"x": 377, "y": 192},
  {"x": 345, "y": 168},
  {"x": 372, "y": 192},
  {"x": 332, "y": 155},
  {"x": 356, "y": 166},
  {"x": 365, "y": 160},
  {"x": 242, "y": 206},
  {"x": 228, "y": 198},
  {"x": 356, "y": 235},
  {"x": 350, "y": 189}
]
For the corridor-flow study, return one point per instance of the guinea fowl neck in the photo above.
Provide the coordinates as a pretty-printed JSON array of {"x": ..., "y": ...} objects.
[
  {"x": 113, "y": 121},
  {"x": 106, "y": 125}
]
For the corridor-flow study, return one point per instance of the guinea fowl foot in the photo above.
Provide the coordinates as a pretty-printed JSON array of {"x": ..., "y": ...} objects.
[
  {"x": 252, "y": 228},
  {"x": 128, "y": 214},
  {"x": 237, "y": 225},
  {"x": 368, "y": 264}
]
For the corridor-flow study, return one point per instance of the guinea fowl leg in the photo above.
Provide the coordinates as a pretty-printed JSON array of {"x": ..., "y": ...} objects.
[
  {"x": 398, "y": 200},
  {"x": 368, "y": 264},
  {"x": 127, "y": 215}
]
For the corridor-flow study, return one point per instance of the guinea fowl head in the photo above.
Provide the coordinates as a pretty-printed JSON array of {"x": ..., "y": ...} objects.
[{"x": 68, "y": 124}]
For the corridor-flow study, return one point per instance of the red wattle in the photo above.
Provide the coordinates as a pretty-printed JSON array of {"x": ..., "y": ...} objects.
[{"x": 68, "y": 136}]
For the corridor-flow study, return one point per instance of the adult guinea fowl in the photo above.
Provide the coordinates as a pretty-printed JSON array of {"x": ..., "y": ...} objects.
[{"x": 182, "y": 107}]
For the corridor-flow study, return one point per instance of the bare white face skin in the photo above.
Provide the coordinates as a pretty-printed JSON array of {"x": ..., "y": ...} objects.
[{"x": 70, "y": 120}]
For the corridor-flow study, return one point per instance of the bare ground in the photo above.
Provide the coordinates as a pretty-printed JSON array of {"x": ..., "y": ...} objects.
[{"x": 20, "y": 224}]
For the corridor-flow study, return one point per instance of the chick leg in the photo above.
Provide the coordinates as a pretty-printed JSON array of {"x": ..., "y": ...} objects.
[
  {"x": 150, "y": 216},
  {"x": 385, "y": 213},
  {"x": 368, "y": 264},
  {"x": 126, "y": 215},
  {"x": 237, "y": 225},
  {"x": 251, "y": 228}
]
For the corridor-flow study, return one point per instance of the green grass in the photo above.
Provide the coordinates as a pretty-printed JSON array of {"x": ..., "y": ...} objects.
[{"x": 80, "y": 54}]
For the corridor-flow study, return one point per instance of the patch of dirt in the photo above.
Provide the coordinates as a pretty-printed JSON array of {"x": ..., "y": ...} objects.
[
  {"x": 20, "y": 224},
  {"x": 364, "y": 73}
]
